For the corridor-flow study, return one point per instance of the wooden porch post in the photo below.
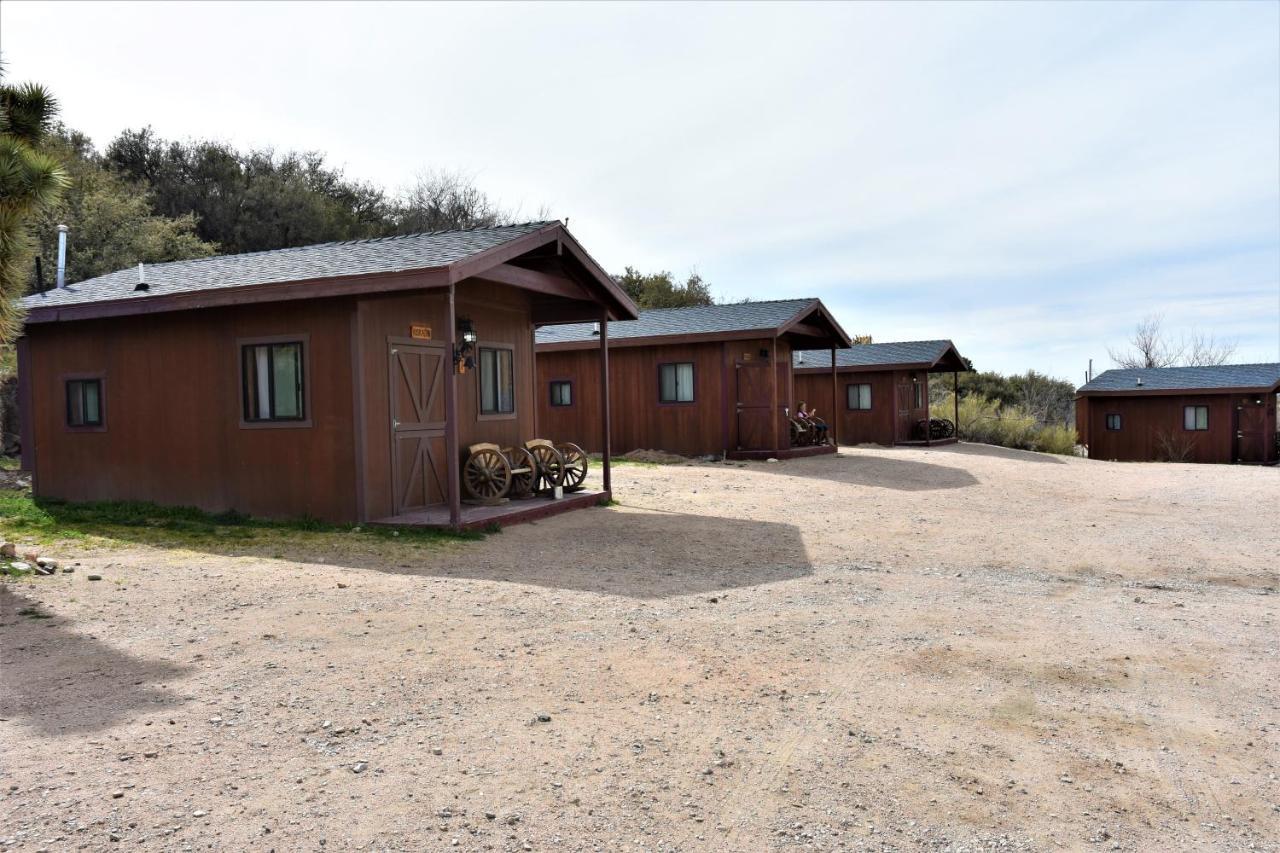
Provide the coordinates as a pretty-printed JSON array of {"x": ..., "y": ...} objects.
[
  {"x": 605, "y": 429},
  {"x": 834, "y": 414},
  {"x": 955, "y": 399},
  {"x": 451, "y": 416},
  {"x": 773, "y": 389}
]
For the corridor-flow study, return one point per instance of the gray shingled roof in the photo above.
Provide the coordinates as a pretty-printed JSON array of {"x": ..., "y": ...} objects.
[
  {"x": 702, "y": 319},
  {"x": 325, "y": 260},
  {"x": 1217, "y": 378},
  {"x": 873, "y": 355}
]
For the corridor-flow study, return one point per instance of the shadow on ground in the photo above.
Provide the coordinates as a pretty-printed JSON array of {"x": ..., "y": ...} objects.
[
  {"x": 55, "y": 679},
  {"x": 629, "y": 552},
  {"x": 899, "y": 473}
]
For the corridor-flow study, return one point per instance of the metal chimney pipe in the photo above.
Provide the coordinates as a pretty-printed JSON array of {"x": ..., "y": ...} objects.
[{"x": 62, "y": 256}]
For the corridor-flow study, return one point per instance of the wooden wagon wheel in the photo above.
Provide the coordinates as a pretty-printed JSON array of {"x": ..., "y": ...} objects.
[
  {"x": 486, "y": 475},
  {"x": 524, "y": 470},
  {"x": 797, "y": 434},
  {"x": 550, "y": 471},
  {"x": 575, "y": 466}
]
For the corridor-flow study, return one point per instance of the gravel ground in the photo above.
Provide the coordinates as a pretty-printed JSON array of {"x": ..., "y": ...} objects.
[{"x": 962, "y": 648}]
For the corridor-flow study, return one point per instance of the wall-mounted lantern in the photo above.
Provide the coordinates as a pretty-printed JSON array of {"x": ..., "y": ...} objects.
[{"x": 464, "y": 353}]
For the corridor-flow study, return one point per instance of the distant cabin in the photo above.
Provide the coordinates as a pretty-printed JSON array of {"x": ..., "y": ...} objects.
[
  {"x": 1222, "y": 414},
  {"x": 341, "y": 381},
  {"x": 881, "y": 394},
  {"x": 713, "y": 379}
]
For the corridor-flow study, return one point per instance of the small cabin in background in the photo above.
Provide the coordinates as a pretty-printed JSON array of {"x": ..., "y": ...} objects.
[
  {"x": 713, "y": 379},
  {"x": 881, "y": 391},
  {"x": 341, "y": 381},
  {"x": 1225, "y": 413}
]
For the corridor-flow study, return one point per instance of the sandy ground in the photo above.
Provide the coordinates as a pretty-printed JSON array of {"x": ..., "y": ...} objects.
[{"x": 962, "y": 648}]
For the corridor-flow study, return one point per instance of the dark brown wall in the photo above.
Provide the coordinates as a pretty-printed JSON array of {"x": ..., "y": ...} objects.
[
  {"x": 1145, "y": 418},
  {"x": 879, "y": 424},
  {"x": 499, "y": 314},
  {"x": 706, "y": 426},
  {"x": 172, "y": 409}
]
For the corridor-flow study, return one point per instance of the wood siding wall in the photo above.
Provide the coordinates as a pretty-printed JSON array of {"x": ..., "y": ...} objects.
[
  {"x": 708, "y": 425},
  {"x": 1145, "y": 420},
  {"x": 500, "y": 315},
  {"x": 878, "y": 425},
  {"x": 172, "y": 404}
]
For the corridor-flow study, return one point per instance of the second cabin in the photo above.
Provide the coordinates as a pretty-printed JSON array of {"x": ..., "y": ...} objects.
[
  {"x": 881, "y": 391},
  {"x": 704, "y": 380}
]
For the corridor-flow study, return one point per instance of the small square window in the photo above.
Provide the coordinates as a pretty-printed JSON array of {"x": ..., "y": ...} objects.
[
  {"x": 1195, "y": 418},
  {"x": 675, "y": 382},
  {"x": 272, "y": 382},
  {"x": 859, "y": 397},
  {"x": 562, "y": 393},
  {"x": 1113, "y": 422},
  {"x": 84, "y": 402}
]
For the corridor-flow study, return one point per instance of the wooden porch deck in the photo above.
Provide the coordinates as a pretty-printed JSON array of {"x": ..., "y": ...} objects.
[
  {"x": 512, "y": 512},
  {"x": 784, "y": 453}
]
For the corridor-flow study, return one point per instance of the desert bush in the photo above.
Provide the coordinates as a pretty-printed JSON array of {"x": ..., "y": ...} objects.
[
  {"x": 1174, "y": 446},
  {"x": 1056, "y": 438},
  {"x": 987, "y": 421}
]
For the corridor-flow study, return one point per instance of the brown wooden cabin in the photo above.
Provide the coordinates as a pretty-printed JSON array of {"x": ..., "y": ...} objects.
[
  {"x": 704, "y": 380},
  {"x": 331, "y": 381},
  {"x": 881, "y": 395},
  {"x": 1217, "y": 414}
]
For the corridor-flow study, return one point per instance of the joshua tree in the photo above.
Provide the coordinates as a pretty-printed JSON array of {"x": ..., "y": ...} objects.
[{"x": 29, "y": 180}]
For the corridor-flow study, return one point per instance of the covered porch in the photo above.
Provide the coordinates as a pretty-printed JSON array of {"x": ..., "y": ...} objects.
[
  {"x": 451, "y": 388},
  {"x": 477, "y": 517}
]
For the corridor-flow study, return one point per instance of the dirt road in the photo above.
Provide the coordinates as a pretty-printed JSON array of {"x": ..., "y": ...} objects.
[{"x": 951, "y": 649}]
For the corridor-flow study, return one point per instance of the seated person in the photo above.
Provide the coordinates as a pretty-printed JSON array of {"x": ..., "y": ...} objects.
[{"x": 811, "y": 419}]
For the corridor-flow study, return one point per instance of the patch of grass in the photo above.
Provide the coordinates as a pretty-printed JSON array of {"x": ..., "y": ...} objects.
[
  {"x": 10, "y": 463},
  {"x": 607, "y": 502},
  {"x": 48, "y": 520},
  {"x": 34, "y": 613}
]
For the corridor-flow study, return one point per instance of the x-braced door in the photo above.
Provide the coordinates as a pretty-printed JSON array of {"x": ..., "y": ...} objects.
[{"x": 418, "y": 456}]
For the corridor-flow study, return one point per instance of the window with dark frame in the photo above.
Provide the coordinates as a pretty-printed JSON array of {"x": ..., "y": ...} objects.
[
  {"x": 917, "y": 395},
  {"x": 272, "y": 382},
  {"x": 675, "y": 382},
  {"x": 84, "y": 402},
  {"x": 1114, "y": 422},
  {"x": 858, "y": 397},
  {"x": 497, "y": 381},
  {"x": 562, "y": 393},
  {"x": 1195, "y": 418}
]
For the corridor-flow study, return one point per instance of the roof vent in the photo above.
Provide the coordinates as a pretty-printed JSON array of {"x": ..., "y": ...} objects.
[
  {"x": 1139, "y": 381},
  {"x": 595, "y": 329},
  {"x": 801, "y": 357},
  {"x": 142, "y": 278},
  {"x": 62, "y": 256}
]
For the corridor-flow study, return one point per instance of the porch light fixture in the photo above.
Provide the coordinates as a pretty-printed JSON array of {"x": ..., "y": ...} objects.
[{"x": 465, "y": 351}]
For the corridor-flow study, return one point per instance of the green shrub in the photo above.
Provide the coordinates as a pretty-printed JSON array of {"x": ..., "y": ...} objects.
[{"x": 988, "y": 422}]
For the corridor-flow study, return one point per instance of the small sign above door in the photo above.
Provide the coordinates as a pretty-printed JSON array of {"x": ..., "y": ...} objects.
[{"x": 420, "y": 331}]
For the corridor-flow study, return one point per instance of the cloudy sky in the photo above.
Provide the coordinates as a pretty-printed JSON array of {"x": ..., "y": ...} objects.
[{"x": 1026, "y": 179}]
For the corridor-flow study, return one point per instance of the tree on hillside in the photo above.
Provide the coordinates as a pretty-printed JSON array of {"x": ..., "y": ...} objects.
[
  {"x": 30, "y": 180},
  {"x": 660, "y": 289},
  {"x": 110, "y": 219},
  {"x": 1151, "y": 346},
  {"x": 1047, "y": 400},
  {"x": 441, "y": 200},
  {"x": 254, "y": 200}
]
